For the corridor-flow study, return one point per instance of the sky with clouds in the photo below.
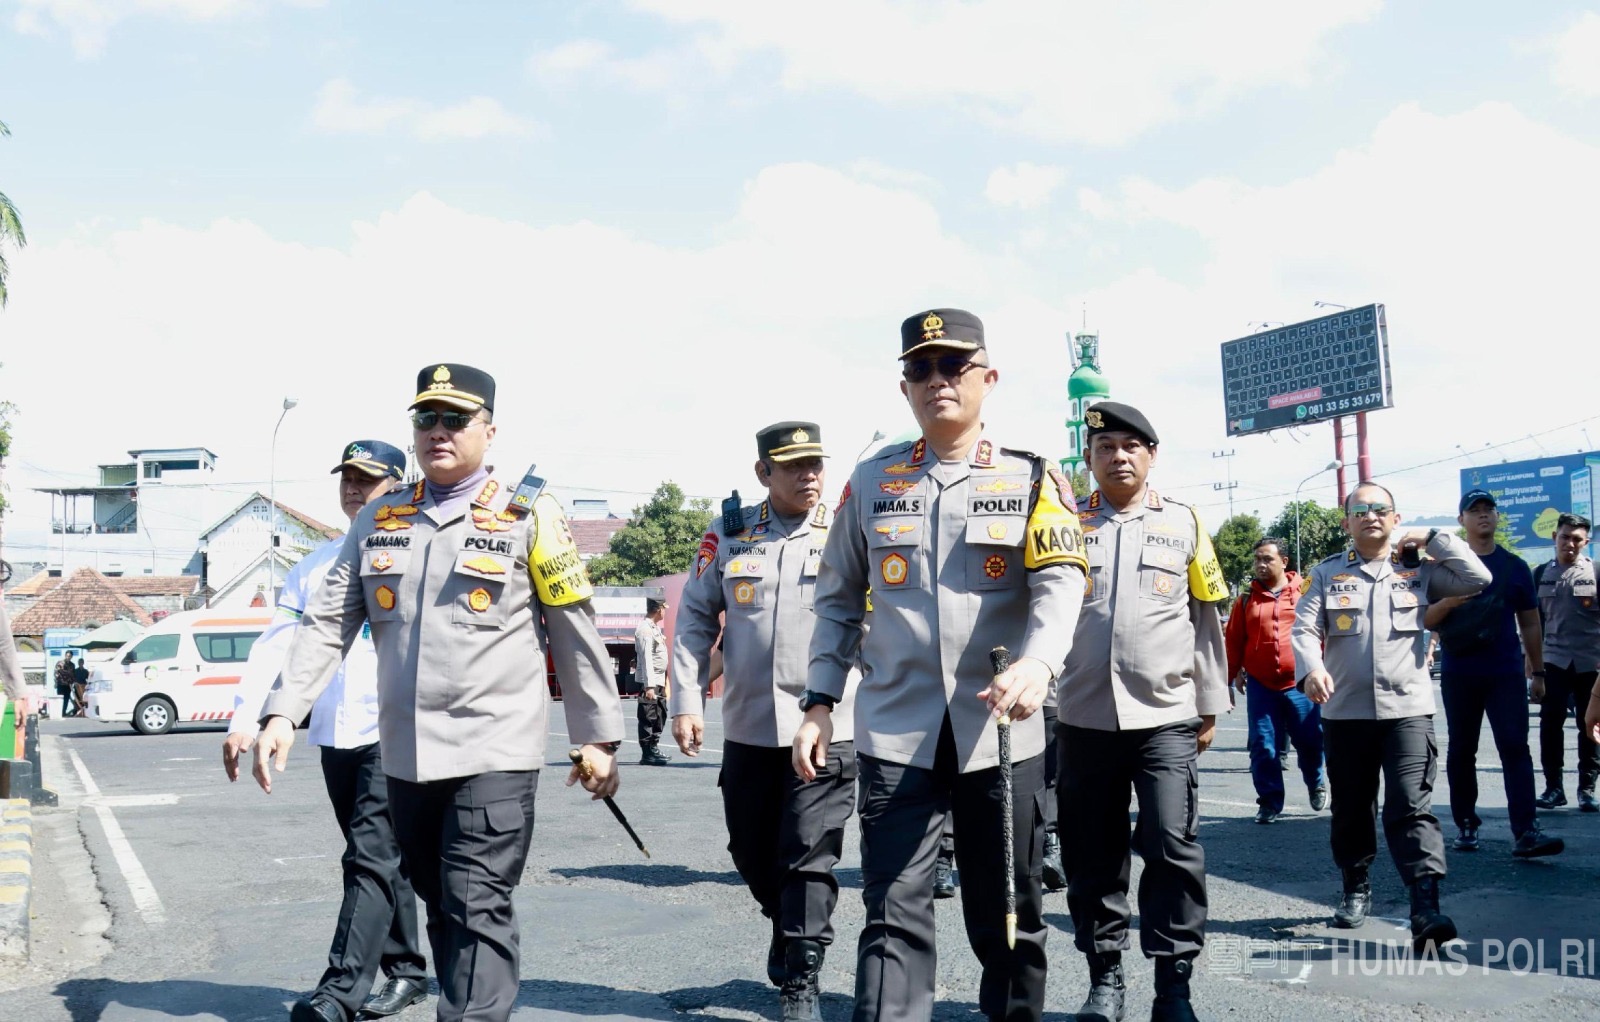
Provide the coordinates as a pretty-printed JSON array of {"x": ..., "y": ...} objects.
[{"x": 664, "y": 223}]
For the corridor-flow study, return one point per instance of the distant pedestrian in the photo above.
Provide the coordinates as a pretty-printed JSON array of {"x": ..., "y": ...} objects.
[
  {"x": 80, "y": 688},
  {"x": 1570, "y": 607},
  {"x": 1482, "y": 673},
  {"x": 650, "y": 668},
  {"x": 1261, "y": 662},
  {"x": 64, "y": 677}
]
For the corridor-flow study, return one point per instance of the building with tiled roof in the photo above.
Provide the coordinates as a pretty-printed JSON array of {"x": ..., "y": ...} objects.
[{"x": 86, "y": 598}]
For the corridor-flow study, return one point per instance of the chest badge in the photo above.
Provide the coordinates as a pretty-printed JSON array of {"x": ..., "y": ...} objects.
[
  {"x": 1344, "y": 621},
  {"x": 995, "y": 566},
  {"x": 479, "y": 600},
  {"x": 485, "y": 520},
  {"x": 744, "y": 593},
  {"x": 895, "y": 570},
  {"x": 392, "y": 517},
  {"x": 997, "y": 530},
  {"x": 897, "y": 487},
  {"x": 893, "y": 530},
  {"x": 485, "y": 566},
  {"x": 1164, "y": 585},
  {"x": 384, "y": 596},
  {"x": 382, "y": 561}
]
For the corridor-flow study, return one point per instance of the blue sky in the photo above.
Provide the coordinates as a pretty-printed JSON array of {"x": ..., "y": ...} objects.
[{"x": 650, "y": 219}]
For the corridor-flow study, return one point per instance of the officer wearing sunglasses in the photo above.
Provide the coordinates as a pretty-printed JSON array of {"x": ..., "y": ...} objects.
[
  {"x": 455, "y": 575},
  {"x": 1360, "y": 650},
  {"x": 966, "y": 545}
]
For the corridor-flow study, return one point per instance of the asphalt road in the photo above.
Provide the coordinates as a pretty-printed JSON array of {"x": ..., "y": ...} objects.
[{"x": 200, "y": 900}]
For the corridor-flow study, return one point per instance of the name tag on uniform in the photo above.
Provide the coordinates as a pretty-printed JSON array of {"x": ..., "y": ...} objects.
[{"x": 1583, "y": 588}]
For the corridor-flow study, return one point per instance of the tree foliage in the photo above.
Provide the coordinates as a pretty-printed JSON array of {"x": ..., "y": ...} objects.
[
  {"x": 1081, "y": 483},
  {"x": 660, "y": 539},
  {"x": 10, "y": 230},
  {"x": 1322, "y": 532},
  {"x": 1235, "y": 544}
]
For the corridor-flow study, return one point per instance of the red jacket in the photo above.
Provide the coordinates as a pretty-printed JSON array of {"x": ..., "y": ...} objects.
[{"x": 1257, "y": 636}]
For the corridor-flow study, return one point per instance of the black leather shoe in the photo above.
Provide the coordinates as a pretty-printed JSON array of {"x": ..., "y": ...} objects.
[
  {"x": 1172, "y": 990},
  {"x": 1466, "y": 840},
  {"x": 777, "y": 971},
  {"x": 1430, "y": 927},
  {"x": 653, "y": 756},
  {"x": 1054, "y": 873},
  {"x": 944, "y": 879},
  {"x": 1107, "y": 989},
  {"x": 1587, "y": 803},
  {"x": 395, "y": 996},
  {"x": 1319, "y": 797},
  {"x": 1265, "y": 815},
  {"x": 1357, "y": 900},
  {"x": 1553, "y": 798},
  {"x": 316, "y": 1008}
]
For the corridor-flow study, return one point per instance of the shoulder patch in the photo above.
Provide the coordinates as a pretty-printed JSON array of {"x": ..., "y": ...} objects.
[
  {"x": 844, "y": 496},
  {"x": 1063, "y": 488},
  {"x": 707, "y": 553}
]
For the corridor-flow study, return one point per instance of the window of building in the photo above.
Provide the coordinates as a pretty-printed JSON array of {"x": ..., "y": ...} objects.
[
  {"x": 225, "y": 647},
  {"x": 153, "y": 647},
  {"x": 152, "y": 470}
]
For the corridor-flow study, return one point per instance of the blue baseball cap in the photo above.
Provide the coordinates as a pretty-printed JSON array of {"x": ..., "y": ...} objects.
[
  {"x": 1471, "y": 497},
  {"x": 374, "y": 457}
]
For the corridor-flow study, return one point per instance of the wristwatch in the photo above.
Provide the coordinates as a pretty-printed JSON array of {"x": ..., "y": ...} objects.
[
  {"x": 808, "y": 699},
  {"x": 1538, "y": 674},
  {"x": 1431, "y": 533}
]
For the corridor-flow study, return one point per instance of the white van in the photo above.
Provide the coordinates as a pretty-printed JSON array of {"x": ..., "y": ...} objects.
[{"x": 187, "y": 667}]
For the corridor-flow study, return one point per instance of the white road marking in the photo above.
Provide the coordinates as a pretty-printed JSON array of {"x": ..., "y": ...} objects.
[
  {"x": 145, "y": 898},
  {"x": 1224, "y": 802},
  {"x": 182, "y": 759},
  {"x": 295, "y": 858}
]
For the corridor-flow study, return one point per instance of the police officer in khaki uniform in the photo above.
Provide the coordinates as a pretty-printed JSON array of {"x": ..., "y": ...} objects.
[
  {"x": 454, "y": 576},
  {"x": 1569, "y": 604},
  {"x": 650, "y": 668},
  {"x": 785, "y": 833},
  {"x": 1137, "y": 703},
  {"x": 1360, "y": 650},
  {"x": 966, "y": 546}
]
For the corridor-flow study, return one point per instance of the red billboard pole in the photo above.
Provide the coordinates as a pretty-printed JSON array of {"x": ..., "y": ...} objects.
[
  {"x": 1363, "y": 456},
  {"x": 1338, "y": 455}
]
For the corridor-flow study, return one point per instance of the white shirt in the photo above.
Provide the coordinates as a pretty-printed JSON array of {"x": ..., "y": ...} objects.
[{"x": 345, "y": 716}]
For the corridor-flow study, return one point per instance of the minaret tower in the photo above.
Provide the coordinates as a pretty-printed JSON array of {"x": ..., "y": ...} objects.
[{"x": 1086, "y": 386}]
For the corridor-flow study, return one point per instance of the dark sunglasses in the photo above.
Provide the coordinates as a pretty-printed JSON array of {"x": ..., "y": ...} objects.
[
  {"x": 1362, "y": 510},
  {"x": 951, "y": 367},
  {"x": 453, "y": 421}
]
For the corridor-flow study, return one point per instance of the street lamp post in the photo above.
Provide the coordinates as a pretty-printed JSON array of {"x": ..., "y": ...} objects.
[
  {"x": 877, "y": 435},
  {"x": 272, "y": 504},
  {"x": 1331, "y": 466}
]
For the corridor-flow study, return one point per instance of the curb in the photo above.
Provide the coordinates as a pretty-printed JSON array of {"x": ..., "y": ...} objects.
[{"x": 16, "y": 877}]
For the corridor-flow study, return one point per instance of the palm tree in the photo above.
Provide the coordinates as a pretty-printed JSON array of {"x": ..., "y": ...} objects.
[{"x": 10, "y": 229}]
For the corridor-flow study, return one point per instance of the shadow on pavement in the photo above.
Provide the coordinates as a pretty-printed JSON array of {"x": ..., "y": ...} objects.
[
  {"x": 648, "y": 874},
  {"x": 86, "y": 1000}
]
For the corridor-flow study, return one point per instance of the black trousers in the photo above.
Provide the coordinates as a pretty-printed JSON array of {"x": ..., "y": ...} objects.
[
  {"x": 903, "y": 811},
  {"x": 786, "y": 834},
  {"x": 378, "y": 918},
  {"x": 1563, "y": 686},
  {"x": 652, "y": 719},
  {"x": 1401, "y": 751},
  {"x": 465, "y": 841},
  {"x": 947, "y": 841},
  {"x": 1100, "y": 773}
]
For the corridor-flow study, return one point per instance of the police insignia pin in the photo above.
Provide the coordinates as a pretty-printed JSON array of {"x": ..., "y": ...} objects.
[
  {"x": 1094, "y": 419},
  {"x": 800, "y": 436},
  {"x": 479, "y": 600},
  {"x": 932, "y": 326}
]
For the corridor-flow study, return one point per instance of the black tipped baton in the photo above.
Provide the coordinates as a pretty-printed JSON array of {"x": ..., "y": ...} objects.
[
  {"x": 586, "y": 771},
  {"x": 1000, "y": 661}
]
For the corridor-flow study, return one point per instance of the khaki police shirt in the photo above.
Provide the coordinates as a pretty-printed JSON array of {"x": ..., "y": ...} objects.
[
  {"x": 1570, "y": 608},
  {"x": 649, "y": 655},
  {"x": 763, "y": 581},
  {"x": 1149, "y": 650},
  {"x": 960, "y": 558},
  {"x": 1361, "y": 621},
  {"x": 455, "y": 606}
]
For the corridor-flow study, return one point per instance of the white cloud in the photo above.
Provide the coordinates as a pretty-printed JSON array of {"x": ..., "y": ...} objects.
[
  {"x": 1576, "y": 68},
  {"x": 88, "y": 23},
  {"x": 1024, "y": 185},
  {"x": 592, "y": 58},
  {"x": 341, "y": 110},
  {"x": 1099, "y": 73}
]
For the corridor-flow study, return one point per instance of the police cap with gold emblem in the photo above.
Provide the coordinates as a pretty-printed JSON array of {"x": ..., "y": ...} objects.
[
  {"x": 1116, "y": 417},
  {"x": 790, "y": 441},
  {"x": 941, "y": 328},
  {"x": 455, "y": 385},
  {"x": 374, "y": 457}
]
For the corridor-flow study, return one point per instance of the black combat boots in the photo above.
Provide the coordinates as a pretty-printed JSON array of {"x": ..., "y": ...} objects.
[
  {"x": 1357, "y": 900},
  {"x": 801, "y": 991},
  {"x": 1172, "y": 989},
  {"x": 1107, "y": 989},
  {"x": 777, "y": 969},
  {"x": 1429, "y": 926}
]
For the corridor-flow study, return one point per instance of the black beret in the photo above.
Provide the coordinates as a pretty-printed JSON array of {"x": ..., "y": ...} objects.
[
  {"x": 456, "y": 385},
  {"x": 1114, "y": 416},
  {"x": 374, "y": 457},
  {"x": 941, "y": 328},
  {"x": 790, "y": 441}
]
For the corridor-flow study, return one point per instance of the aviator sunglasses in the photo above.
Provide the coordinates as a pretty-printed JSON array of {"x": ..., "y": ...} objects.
[
  {"x": 1362, "y": 510},
  {"x": 951, "y": 367},
  {"x": 453, "y": 421}
]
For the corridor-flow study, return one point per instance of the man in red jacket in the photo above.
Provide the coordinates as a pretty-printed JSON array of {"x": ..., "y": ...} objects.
[{"x": 1261, "y": 664}]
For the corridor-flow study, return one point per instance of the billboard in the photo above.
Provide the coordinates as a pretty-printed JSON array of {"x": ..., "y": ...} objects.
[
  {"x": 1532, "y": 494},
  {"x": 1306, "y": 372}
]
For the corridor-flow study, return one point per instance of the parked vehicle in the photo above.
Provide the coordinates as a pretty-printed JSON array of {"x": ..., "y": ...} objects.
[{"x": 187, "y": 667}]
